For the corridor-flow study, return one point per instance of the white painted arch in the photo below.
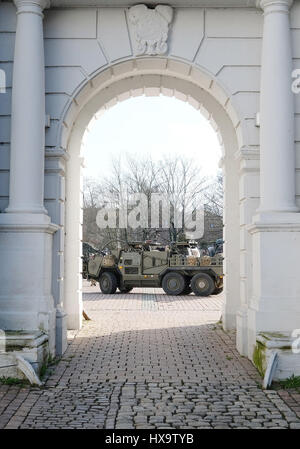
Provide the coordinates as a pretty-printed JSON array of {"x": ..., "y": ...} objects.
[
  {"x": 150, "y": 77},
  {"x": 221, "y": 57}
]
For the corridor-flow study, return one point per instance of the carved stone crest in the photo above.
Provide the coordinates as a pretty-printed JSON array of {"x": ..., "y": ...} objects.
[{"x": 150, "y": 28}]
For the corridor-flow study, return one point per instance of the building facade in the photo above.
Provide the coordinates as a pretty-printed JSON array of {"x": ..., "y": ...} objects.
[{"x": 62, "y": 62}]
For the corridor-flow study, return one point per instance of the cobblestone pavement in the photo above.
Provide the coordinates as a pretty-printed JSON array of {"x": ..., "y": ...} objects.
[{"x": 150, "y": 361}]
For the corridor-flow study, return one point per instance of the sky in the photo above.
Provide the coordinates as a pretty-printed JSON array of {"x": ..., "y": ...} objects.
[{"x": 155, "y": 126}]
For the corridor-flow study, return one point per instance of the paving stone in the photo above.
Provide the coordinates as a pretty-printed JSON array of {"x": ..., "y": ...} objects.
[{"x": 159, "y": 368}]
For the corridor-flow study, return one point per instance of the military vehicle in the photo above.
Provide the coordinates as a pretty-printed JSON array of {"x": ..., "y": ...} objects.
[
  {"x": 175, "y": 268},
  {"x": 87, "y": 251},
  {"x": 217, "y": 247}
]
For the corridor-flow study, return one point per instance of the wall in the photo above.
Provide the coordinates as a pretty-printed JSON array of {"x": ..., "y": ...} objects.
[
  {"x": 224, "y": 43},
  {"x": 7, "y": 40},
  {"x": 80, "y": 43}
]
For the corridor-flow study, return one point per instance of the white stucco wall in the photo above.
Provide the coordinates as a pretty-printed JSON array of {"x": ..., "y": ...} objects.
[
  {"x": 7, "y": 30},
  {"x": 224, "y": 43},
  {"x": 295, "y": 26},
  {"x": 80, "y": 43}
]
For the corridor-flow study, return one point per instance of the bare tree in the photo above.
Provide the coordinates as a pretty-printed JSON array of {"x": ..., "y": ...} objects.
[
  {"x": 213, "y": 195},
  {"x": 184, "y": 184},
  {"x": 177, "y": 177},
  {"x": 92, "y": 191}
]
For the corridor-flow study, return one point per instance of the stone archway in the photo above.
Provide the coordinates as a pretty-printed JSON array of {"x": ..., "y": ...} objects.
[
  {"x": 220, "y": 59},
  {"x": 151, "y": 77}
]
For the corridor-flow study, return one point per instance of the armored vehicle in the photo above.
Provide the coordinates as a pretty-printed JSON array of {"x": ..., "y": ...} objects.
[
  {"x": 175, "y": 268},
  {"x": 87, "y": 251}
]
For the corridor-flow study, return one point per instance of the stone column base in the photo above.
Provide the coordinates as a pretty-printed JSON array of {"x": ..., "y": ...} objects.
[
  {"x": 31, "y": 346},
  {"x": 26, "y": 300},
  {"x": 288, "y": 357},
  {"x": 274, "y": 309}
]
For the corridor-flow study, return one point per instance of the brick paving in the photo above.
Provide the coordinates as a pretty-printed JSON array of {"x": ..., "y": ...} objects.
[{"x": 151, "y": 361}]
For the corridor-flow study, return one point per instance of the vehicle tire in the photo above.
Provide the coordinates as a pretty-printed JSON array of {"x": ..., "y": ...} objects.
[
  {"x": 217, "y": 290},
  {"x": 173, "y": 284},
  {"x": 202, "y": 284},
  {"x": 108, "y": 283},
  {"x": 125, "y": 289}
]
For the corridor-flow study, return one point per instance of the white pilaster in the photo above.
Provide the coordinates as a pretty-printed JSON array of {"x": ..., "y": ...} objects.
[
  {"x": 231, "y": 246},
  {"x": 274, "y": 309},
  {"x": 277, "y": 159},
  {"x": 73, "y": 238},
  {"x": 26, "y": 300},
  {"x": 28, "y": 111},
  {"x": 249, "y": 201}
]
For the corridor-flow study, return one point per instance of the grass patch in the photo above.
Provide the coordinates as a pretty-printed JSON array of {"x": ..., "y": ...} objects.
[
  {"x": 48, "y": 367},
  {"x": 43, "y": 370},
  {"x": 259, "y": 358},
  {"x": 291, "y": 382},
  {"x": 54, "y": 361},
  {"x": 14, "y": 381}
]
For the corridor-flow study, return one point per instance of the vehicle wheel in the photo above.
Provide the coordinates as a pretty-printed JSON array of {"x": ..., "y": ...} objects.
[
  {"x": 202, "y": 284},
  {"x": 108, "y": 283},
  {"x": 125, "y": 289},
  {"x": 173, "y": 284},
  {"x": 217, "y": 290}
]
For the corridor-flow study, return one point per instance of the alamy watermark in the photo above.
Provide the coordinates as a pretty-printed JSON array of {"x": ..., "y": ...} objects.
[
  {"x": 296, "y": 341},
  {"x": 157, "y": 211},
  {"x": 2, "y": 82},
  {"x": 2, "y": 341},
  {"x": 296, "y": 83}
]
